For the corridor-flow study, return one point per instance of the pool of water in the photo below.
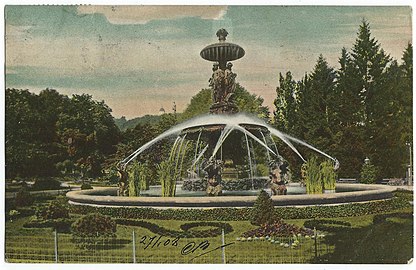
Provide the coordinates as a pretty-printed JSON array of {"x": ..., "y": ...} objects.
[{"x": 156, "y": 191}]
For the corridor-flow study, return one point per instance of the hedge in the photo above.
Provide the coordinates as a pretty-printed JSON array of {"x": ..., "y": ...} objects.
[
  {"x": 60, "y": 224},
  {"x": 327, "y": 225},
  {"x": 244, "y": 214},
  {"x": 186, "y": 228}
]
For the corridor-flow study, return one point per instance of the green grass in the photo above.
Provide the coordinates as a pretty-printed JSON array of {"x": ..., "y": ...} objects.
[{"x": 389, "y": 241}]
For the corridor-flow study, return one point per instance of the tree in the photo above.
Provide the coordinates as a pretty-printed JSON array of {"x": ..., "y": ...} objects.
[
  {"x": 286, "y": 103},
  {"x": 368, "y": 173},
  {"x": 317, "y": 112},
  {"x": 351, "y": 146},
  {"x": 263, "y": 210},
  {"x": 246, "y": 102}
]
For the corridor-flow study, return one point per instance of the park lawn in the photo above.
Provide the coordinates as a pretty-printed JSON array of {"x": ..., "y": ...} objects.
[{"x": 390, "y": 241}]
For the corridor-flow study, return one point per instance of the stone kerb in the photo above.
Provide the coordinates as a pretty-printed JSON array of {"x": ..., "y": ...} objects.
[{"x": 107, "y": 197}]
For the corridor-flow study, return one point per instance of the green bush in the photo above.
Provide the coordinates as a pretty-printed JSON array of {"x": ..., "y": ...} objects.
[
  {"x": 313, "y": 177},
  {"x": 93, "y": 229},
  {"x": 23, "y": 198},
  {"x": 85, "y": 186},
  {"x": 138, "y": 178},
  {"x": 60, "y": 224},
  {"x": 246, "y": 213},
  {"x": 328, "y": 175},
  {"x": 56, "y": 209},
  {"x": 368, "y": 173},
  {"x": 263, "y": 210},
  {"x": 46, "y": 184}
]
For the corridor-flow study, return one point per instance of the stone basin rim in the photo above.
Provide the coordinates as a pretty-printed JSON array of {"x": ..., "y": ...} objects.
[{"x": 104, "y": 196}]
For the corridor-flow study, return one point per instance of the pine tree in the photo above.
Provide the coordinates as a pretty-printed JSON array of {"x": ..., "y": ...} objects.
[
  {"x": 316, "y": 108},
  {"x": 350, "y": 150},
  {"x": 263, "y": 210},
  {"x": 286, "y": 103}
]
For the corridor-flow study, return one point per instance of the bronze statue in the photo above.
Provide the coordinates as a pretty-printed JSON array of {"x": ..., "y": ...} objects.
[
  {"x": 122, "y": 182},
  {"x": 213, "y": 174}
]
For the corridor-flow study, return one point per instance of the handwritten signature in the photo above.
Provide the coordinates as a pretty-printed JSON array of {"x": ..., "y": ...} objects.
[{"x": 189, "y": 248}]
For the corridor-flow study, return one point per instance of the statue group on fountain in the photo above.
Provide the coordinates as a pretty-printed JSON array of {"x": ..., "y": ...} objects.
[
  {"x": 279, "y": 177},
  {"x": 213, "y": 169},
  {"x": 222, "y": 83}
]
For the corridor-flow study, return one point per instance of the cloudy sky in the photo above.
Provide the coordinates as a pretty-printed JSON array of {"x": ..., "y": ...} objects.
[{"x": 140, "y": 58}]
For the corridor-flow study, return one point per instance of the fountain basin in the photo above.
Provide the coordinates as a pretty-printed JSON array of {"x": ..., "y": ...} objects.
[{"x": 106, "y": 196}]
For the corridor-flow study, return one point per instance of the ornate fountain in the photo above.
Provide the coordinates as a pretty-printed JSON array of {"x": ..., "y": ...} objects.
[{"x": 209, "y": 133}]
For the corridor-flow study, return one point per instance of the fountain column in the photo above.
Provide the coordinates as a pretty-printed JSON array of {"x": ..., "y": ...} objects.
[{"x": 222, "y": 83}]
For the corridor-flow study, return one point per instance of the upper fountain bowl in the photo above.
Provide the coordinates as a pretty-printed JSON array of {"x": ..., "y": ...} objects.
[{"x": 222, "y": 51}]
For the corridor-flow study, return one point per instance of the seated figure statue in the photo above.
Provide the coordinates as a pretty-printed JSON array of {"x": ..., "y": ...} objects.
[
  {"x": 213, "y": 174},
  {"x": 277, "y": 176}
]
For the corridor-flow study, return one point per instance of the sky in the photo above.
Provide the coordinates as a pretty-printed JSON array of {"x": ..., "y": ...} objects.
[{"x": 141, "y": 58}]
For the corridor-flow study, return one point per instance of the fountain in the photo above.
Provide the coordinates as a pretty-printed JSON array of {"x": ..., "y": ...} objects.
[{"x": 209, "y": 133}]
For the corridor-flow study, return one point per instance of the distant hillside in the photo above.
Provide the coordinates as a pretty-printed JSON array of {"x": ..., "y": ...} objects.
[{"x": 124, "y": 124}]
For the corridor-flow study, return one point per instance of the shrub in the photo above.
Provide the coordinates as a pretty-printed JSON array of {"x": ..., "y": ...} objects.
[
  {"x": 85, "y": 186},
  {"x": 61, "y": 224},
  {"x": 313, "y": 177},
  {"x": 171, "y": 170},
  {"x": 138, "y": 177},
  {"x": 263, "y": 210},
  {"x": 368, "y": 173},
  {"x": 56, "y": 209},
  {"x": 46, "y": 184},
  {"x": 13, "y": 213},
  {"x": 246, "y": 213},
  {"x": 92, "y": 229},
  {"x": 23, "y": 198},
  {"x": 328, "y": 175}
]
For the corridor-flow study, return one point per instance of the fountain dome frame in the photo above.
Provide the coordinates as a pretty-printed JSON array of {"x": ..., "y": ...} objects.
[{"x": 223, "y": 120}]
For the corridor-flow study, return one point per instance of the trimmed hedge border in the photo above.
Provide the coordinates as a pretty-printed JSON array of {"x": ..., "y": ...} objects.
[
  {"x": 185, "y": 233},
  {"x": 382, "y": 217},
  {"x": 326, "y": 225},
  {"x": 245, "y": 213}
]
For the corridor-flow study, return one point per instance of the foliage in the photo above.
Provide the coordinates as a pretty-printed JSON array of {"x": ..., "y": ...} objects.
[
  {"x": 138, "y": 178},
  {"x": 124, "y": 124},
  {"x": 56, "y": 209},
  {"x": 170, "y": 171},
  {"x": 278, "y": 228},
  {"x": 46, "y": 184},
  {"x": 62, "y": 225},
  {"x": 327, "y": 225},
  {"x": 313, "y": 177},
  {"x": 368, "y": 173},
  {"x": 92, "y": 229},
  {"x": 328, "y": 175},
  {"x": 85, "y": 186},
  {"x": 246, "y": 213},
  {"x": 263, "y": 210},
  {"x": 362, "y": 108},
  {"x": 48, "y": 131},
  {"x": 13, "y": 214},
  {"x": 186, "y": 228},
  {"x": 23, "y": 198},
  {"x": 246, "y": 102}
]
